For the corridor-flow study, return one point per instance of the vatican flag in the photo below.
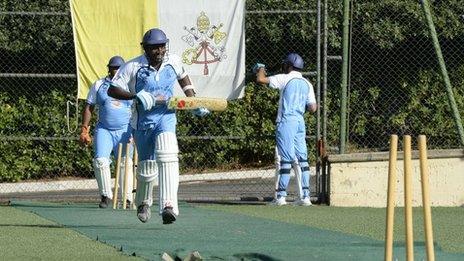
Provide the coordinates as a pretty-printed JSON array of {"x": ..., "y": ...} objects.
[{"x": 208, "y": 35}]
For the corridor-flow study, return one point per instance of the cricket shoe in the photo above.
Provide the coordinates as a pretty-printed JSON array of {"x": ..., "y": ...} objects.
[
  {"x": 304, "y": 202},
  {"x": 105, "y": 201},
  {"x": 280, "y": 201},
  {"x": 143, "y": 213},
  {"x": 168, "y": 215}
]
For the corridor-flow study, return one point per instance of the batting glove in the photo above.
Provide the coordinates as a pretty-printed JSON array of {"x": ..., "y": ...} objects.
[
  {"x": 201, "y": 112},
  {"x": 257, "y": 66},
  {"x": 85, "y": 138},
  {"x": 146, "y": 99}
]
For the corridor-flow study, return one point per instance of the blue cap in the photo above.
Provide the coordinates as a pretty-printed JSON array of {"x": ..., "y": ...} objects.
[
  {"x": 295, "y": 60},
  {"x": 116, "y": 61},
  {"x": 154, "y": 36}
]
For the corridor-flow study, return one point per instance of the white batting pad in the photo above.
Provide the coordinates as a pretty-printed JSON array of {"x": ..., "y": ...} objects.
[
  {"x": 277, "y": 161},
  {"x": 168, "y": 167},
  {"x": 146, "y": 174},
  {"x": 101, "y": 167},
  {"x": 130, "y": 177},
  {"x": 277, "y": 170},
  {"x": 297, "y": 169}
]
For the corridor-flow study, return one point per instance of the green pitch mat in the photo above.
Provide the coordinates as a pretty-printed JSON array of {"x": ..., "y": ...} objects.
[{"x": 217, "y": 235}]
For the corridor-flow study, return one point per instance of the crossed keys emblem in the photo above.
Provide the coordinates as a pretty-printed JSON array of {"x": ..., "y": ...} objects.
[{"x": 204, "y": 41}]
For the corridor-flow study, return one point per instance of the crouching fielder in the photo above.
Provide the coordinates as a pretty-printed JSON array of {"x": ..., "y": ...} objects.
[
  {"x": 296, "y": 97},
  {"x": 112, "y": 128},
  {"x": 150, "y": 79}
]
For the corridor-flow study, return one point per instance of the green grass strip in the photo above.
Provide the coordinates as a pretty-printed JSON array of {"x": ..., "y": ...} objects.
[
  {"x": 26, "y": 236},
  {"x": 447, "y": 222}
]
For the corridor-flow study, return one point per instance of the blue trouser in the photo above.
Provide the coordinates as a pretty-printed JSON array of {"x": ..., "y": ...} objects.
[
  {"x": 107, "y": 141},
  {"x": 145, "y": 140},
  {"x": 291, "y": 146}
]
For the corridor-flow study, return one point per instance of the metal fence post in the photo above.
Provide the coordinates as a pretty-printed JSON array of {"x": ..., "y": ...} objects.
[{"x": 444, "y": 72}]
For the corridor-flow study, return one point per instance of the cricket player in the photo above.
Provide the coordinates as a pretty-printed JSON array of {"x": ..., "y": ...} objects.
[
  {"x": 111, "y": 129},
  {"x": 296, "y": 97},
  {"x": 150, "y": 80}
]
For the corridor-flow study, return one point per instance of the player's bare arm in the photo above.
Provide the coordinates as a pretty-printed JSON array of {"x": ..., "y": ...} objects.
[
  {"x": 84, "y": 137},
  {"x": 261, "y": 76},
  {"x": 87, "y": 114},
  {"x": 187, "y": 86},
  {"x": 120, "y": 94},
  {"x": 311, "y": 107}
]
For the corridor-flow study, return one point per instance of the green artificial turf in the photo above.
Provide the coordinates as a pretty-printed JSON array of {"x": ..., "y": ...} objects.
[
  {"x": 26, "y": 236},
  {"x": 217, "y": 235},
  {"x": 447, "y": 222},
  {"x": 218, "y": 232}
]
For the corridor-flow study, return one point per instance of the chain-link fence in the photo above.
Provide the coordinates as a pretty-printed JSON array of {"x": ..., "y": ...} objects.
[
  {"x": 395, "y": 86},
  {"x": 233, "y": 151}
]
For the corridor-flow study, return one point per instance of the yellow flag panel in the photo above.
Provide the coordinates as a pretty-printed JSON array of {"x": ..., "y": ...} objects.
[{"x": 106, "y": 28}]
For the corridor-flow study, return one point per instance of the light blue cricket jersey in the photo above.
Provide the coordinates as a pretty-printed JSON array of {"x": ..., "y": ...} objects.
[
  {"x": 159, "y": 83},
  {"x": 295, "y": 94},
  {"x": 137, "y": 75},
  {"x": 113, "y": 114},
  {"x": 294, "y": 99}
]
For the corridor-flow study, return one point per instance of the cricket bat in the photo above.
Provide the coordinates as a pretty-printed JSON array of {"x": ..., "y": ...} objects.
[{"x": 191, "y": 103}]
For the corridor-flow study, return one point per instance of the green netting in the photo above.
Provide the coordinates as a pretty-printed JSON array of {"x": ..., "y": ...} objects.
[{"x": 216, "y": 235}]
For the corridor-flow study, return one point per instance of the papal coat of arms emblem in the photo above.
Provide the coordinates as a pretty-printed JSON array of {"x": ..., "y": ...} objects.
[{"x": 206, "y": 42}]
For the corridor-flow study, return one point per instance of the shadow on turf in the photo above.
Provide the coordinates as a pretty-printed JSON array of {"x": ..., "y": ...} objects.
[
  {"x": 115, "y": 227},
  {"x": 255, "y": 256},
  {"x": 30, "y": 204},
  {"x": 24, "y": 225}
]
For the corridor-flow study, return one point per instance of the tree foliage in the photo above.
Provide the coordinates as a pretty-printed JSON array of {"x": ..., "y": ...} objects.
[{"x": 395, "y": 84}]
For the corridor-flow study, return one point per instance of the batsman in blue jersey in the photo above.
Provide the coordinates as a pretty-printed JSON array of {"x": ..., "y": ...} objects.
[
  {"x": 150, "y": 80},
  {"x": 111, "y": 129},
  {"x": 296, "y": 97}
]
